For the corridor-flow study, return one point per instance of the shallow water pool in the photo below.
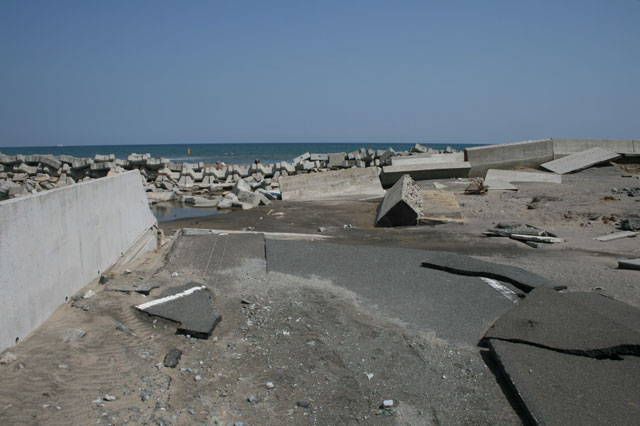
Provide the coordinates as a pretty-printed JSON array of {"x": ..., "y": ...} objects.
[{"x": 171, "y": 210}]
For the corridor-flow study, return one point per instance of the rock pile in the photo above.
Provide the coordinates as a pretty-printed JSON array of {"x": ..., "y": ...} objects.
[{"x": 164, "y": 180}]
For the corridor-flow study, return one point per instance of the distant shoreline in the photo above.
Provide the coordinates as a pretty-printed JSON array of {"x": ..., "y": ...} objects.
[{"x": 229, "y": 153}]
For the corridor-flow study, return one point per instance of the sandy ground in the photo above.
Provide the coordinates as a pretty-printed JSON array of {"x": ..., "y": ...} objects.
[{"x": 319, "y": 368}]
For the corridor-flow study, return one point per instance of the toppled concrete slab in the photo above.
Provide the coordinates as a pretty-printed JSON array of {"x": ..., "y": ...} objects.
[
  {"x": 566, "y": 390},
  {"x": 354, "y": 183},
  {"x": 427, "y": 159},
  {"x": 391, "y": 174},
  {"x": 401, "y": 206},
  {"x": 555, "y": 321},
  {"x": 439, "y": 207},
  {"x": 536, "y": 238},
  {"x": 129, "y": 286},
  {"x": 503, "y": 179},
  {"x": 629, "y": 264},
  {"x": 463, "y": 265},
  {"x": 191, "y": 306},
  {"x": 554, "y": 347},
  {"x": 580, "y": 161}
]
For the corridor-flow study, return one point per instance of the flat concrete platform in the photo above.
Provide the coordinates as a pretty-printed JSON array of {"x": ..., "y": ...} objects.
[
  {"x": 560, "y": 389},
  {"x": 503, "y": 179},
  {"x": 463, "y": 265},
  {"x": 455, "y": 307}
]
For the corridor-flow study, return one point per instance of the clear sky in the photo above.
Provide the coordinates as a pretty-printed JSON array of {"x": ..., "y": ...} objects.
[{"x": 121, "y": 72}]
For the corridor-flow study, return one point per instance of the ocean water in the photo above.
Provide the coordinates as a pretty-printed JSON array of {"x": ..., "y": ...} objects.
[{"x": 230, "y": 153}]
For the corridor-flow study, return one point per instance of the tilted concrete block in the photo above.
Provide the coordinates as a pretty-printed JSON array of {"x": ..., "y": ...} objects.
[{"x": 402, "y": 204}]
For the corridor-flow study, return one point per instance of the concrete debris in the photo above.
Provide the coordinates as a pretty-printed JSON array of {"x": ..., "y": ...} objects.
[
  {"x": 401, "y": 206},
  {"x": 580, "y": 161},
  {"x": 536, "y": 238},
  {"x": 616, "y": 236},
  {"x": 191, "y": 306},
  {"x": 121, "y": 327},
  {"x": 129, "y": 286},
  {"x": 7, "y": 358},
  {"x": 630, "y": 224},
  {"x": 476, "y": 186},
  {"x": 356, "y": 183},
  {"x": 629, "y": 264},
  {"x": 506, "y": 229},
  {"x": 73, "y": 334}
]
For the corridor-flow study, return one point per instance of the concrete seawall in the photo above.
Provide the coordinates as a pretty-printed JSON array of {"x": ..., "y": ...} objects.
[
  {"x": 508, "y": 155},
  {"x": 533, "y": 153},
  {"x": 54, "y": 243}
]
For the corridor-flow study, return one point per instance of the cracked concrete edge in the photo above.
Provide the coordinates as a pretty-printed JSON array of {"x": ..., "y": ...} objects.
[{"x": 187, "y": 232}]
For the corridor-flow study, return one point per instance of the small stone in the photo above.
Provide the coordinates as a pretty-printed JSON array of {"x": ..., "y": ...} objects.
[
  {"x": 63, "y": 366},
  {"x": 108, "y": 397},
  {"x": 7, "y": 358},
  {"x": 103, "y": 279},
  {"x": 73, "y": 334},
  {"x": 322, "y": 229},
  {"x": 387, "y": 403},
  {"x": 88, "y": 294},
  {"x": 252, "y": 399},
  {"x": 197, "y": 378},
  {"x": 303, "y": 404},
  {"x": 172, "y": 358},
  {"x": 123, "y": 328},
  {"x": 127, "y": 271},
  {"x": 270, "y": 385},
  {"x": 369, "y": 375},
  {"x": 174, "y": 275}
]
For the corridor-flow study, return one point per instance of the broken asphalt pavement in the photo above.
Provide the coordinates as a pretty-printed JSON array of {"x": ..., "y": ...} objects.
[{"x": 572, "y": 359}]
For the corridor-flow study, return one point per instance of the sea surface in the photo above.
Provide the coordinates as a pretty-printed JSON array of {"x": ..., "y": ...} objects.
[{"x": 229, "y": 153}]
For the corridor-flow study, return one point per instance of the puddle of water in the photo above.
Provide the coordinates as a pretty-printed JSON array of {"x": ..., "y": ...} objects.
[{"x": 167, "y": 211}]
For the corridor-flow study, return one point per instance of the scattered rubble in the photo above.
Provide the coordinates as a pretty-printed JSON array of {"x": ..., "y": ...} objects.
[{"x": 476, "y": 186}]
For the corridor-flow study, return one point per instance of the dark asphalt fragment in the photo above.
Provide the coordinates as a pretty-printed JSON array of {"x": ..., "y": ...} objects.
[
  {"x": 172, "y": 358},
  {"x": 464, "y": 265}
]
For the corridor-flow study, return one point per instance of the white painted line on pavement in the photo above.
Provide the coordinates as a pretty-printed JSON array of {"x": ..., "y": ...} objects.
[
  {"x": 502, "y": 289},
  {"x": 162, "y": 300}
]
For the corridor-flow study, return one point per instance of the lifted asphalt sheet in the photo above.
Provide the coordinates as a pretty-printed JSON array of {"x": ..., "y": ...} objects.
[
  {"x": 572, "y": 359},
  {"x": 457, "y": 308}
]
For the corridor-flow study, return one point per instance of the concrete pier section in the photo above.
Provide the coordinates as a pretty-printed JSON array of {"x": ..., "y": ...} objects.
[{"x": 55, "y": 242}]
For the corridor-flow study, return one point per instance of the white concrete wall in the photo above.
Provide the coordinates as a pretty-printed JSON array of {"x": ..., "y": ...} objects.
[
  {"x": 564, "y": 147},
  {"x": 508, "y": 155},
  {"x": 55, "y": 242}
]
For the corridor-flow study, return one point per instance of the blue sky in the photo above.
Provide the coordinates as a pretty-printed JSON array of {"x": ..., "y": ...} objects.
[{"x": 121, "y": 72}]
